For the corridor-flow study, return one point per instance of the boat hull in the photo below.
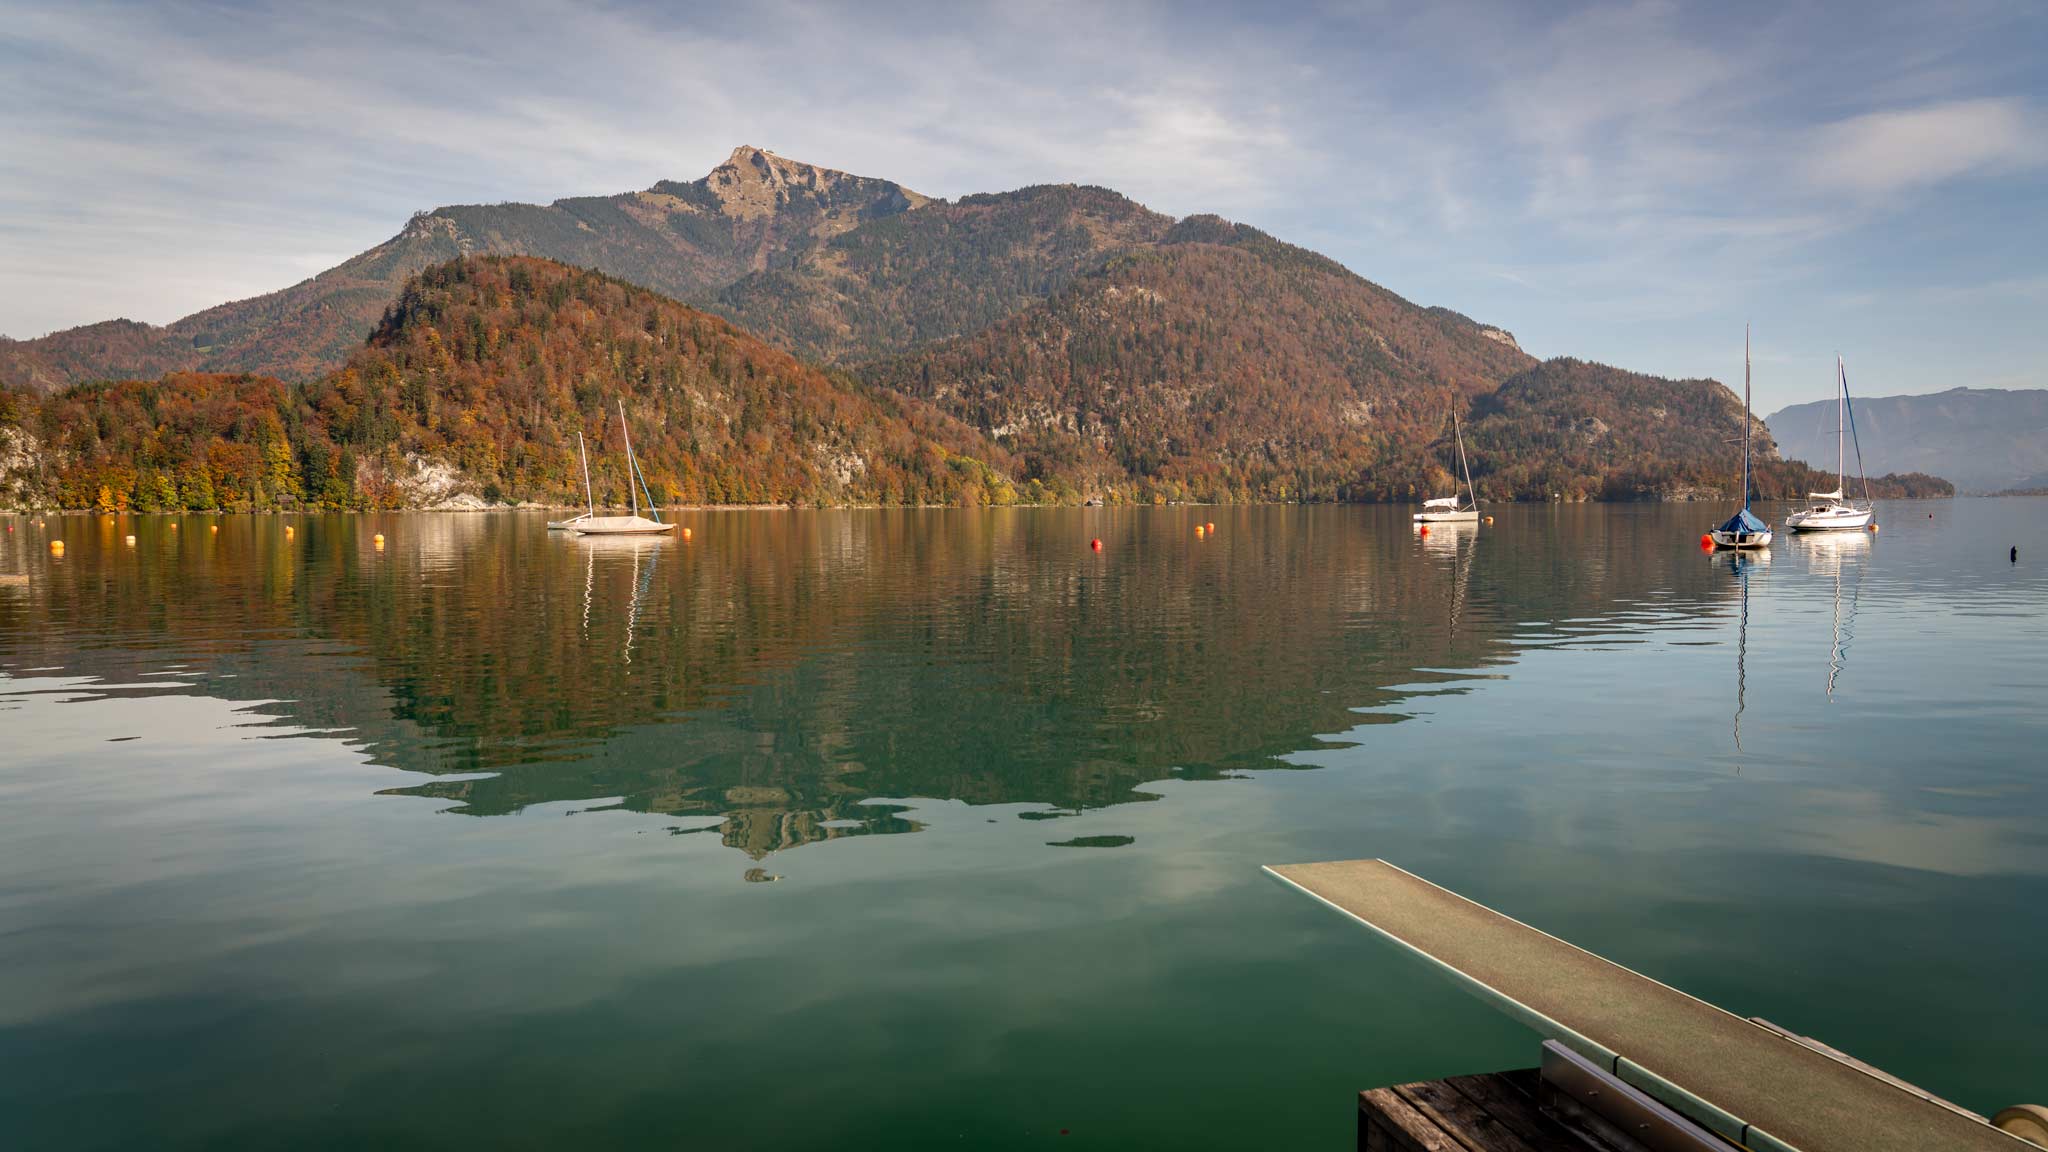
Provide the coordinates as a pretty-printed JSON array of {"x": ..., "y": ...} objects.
[
  {"x": 568, "y": 525},
  {"x": 1468, "y": 516},
  {"x": 1848, "y": 520},
  {"x": 621, "y": 526},
  {"x": 1741, "y": 539}
]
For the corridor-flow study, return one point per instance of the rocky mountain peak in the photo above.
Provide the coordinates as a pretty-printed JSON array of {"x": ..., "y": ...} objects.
[{"x": 754, "y": 182}]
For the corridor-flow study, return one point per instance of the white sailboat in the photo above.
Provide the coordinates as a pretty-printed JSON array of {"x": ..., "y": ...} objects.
[
  {"x": 588, "y": 495},
  {"x": 1743, "y": 530},
  {"x": 1460, "y": 509},
  {"x": 1829, "y": 511},
  {"x": 636, "y": 524}
]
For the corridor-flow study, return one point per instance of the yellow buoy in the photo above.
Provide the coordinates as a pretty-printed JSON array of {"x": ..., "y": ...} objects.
[
  {"x": 215, "y": 528},
  {"x": 287, "y": 531},
  {"x": 378, "y": 540},
  {"x": 57, "y": 547}
]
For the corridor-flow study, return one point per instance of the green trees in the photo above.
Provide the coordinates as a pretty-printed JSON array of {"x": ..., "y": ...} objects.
[{"x": 1218, "y": 366}]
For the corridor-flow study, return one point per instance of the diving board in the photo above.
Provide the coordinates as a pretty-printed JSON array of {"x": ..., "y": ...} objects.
[{"x": 1758, "y": 1087}]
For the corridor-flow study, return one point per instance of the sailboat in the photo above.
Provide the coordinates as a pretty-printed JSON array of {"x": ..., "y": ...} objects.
[
  {"x": 636, "y": 524},
  {"x": 1743, "y": 530},
  {"x": 588, "y": 495},
  {"x": 1829, "y": 512},
  {"x": 1453, "y": 509}
]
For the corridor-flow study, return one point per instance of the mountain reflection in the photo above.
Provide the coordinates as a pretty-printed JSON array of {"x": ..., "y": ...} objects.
[{"x": 788, "y": 673}]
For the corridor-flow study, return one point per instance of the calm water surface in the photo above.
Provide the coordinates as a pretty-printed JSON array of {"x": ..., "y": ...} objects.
[{"x": 850, "y": 828}]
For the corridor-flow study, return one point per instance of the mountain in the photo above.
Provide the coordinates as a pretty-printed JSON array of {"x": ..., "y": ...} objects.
[
  {"x": 1573, "y": 430},
  {"x": 755, "y": 212},
  {"x": 1050, "y": 343},
  {"x": 477, "y": 381},
  {"x": 947, "y": 269},
  {"x": 1984, "y": 439},
  {"x": 1218, "y": 364}
]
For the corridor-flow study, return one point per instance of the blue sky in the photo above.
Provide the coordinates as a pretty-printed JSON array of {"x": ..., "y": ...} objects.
[{"x": 1625, "y": 182}]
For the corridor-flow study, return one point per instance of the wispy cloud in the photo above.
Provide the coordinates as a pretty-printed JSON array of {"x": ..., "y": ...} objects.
[
  {"x": 1624, "y": 180},
  {"x": 1916, "y": 147}
]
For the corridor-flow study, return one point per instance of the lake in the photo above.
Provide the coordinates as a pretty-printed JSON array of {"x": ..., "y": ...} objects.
[{"x": 852, "y": 828}]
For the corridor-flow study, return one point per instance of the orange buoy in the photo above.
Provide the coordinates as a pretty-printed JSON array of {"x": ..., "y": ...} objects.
[
  {"x": 686, "y": 533},
  {"x": 1200, "y": 531},
  {"x": 287, "y": 531},
  {"x": 1873, "y": 527},
  {"x": 215, "y": 528},
  {"x": 56, "y": 547},
  {"x": 1211, "y": 526},
  {"x": 378, "y": 539},
  {"x": 1489, "y": 519},
  {"x": 1096, "y": 544}
]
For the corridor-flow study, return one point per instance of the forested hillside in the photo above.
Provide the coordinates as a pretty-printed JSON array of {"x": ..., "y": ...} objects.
[
  {"x": 1217, "y": 365},
  {"x": 490, "y": 367},
  {"x": 1214, "y": 365},
  {"x": 1572, "y": 430}
]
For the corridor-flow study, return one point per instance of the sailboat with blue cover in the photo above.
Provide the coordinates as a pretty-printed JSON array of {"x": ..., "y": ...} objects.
[{"x": 1744, "y": 529}]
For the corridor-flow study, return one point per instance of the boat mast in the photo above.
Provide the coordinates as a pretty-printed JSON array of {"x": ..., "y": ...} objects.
[
  {"x": 1841, "y": 426},
  {"x": 1745, "y": 417},
  {"x": 1470, "y": 495},
  {"x": 1862, "y": 473},
  {"x": 589, "y": 496},
  {"x": 632, "y": 493}
]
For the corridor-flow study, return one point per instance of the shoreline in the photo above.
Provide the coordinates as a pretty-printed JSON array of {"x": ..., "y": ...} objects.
[{"x": 666, "y": 509}]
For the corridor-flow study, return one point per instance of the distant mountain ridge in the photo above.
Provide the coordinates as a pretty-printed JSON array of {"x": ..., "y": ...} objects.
[
  {"x": 1982, "y": 439},
  {"x": 1049, "y": 343},
  {"x": 754, "y": 212}
]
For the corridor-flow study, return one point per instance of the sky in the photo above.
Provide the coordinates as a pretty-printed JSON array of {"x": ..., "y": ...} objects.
[{"x": 1624, "y": 182}]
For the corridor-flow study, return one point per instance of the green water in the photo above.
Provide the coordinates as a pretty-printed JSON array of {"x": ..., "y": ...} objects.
[{"x": 843, "y": 829}]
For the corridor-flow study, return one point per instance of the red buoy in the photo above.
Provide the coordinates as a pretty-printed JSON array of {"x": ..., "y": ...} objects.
[
  {"x": 1424, "y": 530},
  {"x": 1706, "y": 540},
  {"x": 1096, "y": 544}
]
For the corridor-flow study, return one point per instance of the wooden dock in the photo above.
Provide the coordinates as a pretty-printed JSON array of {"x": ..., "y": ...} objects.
[
  {"x": 1625, "y": 1037},
  {"x": 1497, "y": 1112}
]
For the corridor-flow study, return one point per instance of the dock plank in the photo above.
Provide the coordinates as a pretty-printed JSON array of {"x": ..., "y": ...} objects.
[
  {"x": 1511, "y": 1105},
  {"x": 1459, "y": 1114},
  {"x": 1801, "y": 1097},
  {"x": 1389, "y": 1122},
  {"x": 1489, "y": 1113}
]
